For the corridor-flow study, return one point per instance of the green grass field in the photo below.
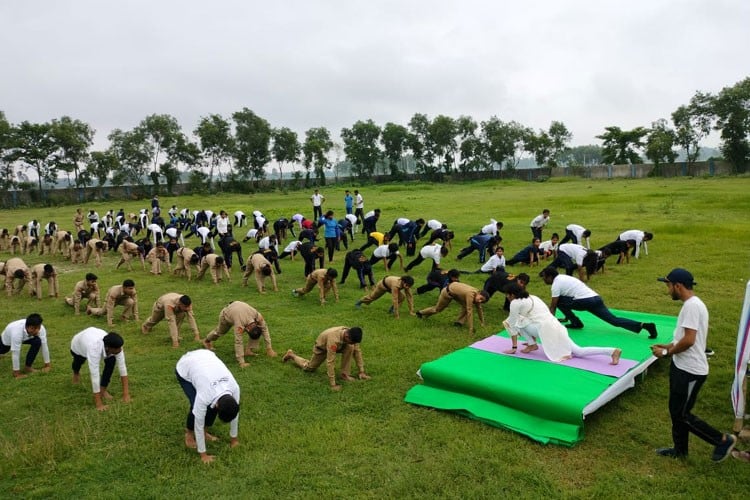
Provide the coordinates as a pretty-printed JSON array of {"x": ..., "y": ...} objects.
[{"x": 299, "y": 439}]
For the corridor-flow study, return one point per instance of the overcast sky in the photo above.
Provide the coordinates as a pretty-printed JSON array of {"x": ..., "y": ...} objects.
[{"x": 312, "y": 63}]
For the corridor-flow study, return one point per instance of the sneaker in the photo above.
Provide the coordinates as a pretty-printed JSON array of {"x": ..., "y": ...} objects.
[
  {"x": 709, "y": 352},
  {"x": 724, "y": 449},
  {"x": 575, "y": 326},
  {"x": 419, "y": 314},
  {"x": 358, "y": 304},
  {"x": 456, "y": 323},
  {"x": 670, "y": 453},
  {"x": 651, "y": 329},
  {"x": 294, "y": 292},
  {"x": 390, "y": 310}
]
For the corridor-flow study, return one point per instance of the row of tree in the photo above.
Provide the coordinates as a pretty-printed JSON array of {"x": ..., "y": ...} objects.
[{"x": 246, "y": 144}]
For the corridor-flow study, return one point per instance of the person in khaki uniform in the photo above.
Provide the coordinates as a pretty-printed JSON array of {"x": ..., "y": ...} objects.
[
  {"x": 85, "y": 289},
  {"x": 20, "y": 231},
  {"x": 119, "y": 295},
  {"x": 342, "y": 340},
  {"x": 78, "y": 220},
  {"x": 40, "y": 272},
  {"x": 400, "y": 289},
  {"x": 29, "y": 244},
  {"x": 97, "y": 247},
  {"x": 174, "y": 307},
  {"x": 158, "y": 256},
  {"x": 242, "y": 318},
  {"x": 263, "y": 269},
  {"x": 325, "y": 279},
  {"x": 46, "y": 245},
  {"x": 62, "y": 243},
  {"x": 15, "y": 245},
  {"x": 4, "y": 240},
  {"x": 216, "y": 264},
  {"x": 466, "y": 296},
  {"x": 16, "y": 269},
  {"x": 128, "y": 250},
  {"x": 186, "y": 259},
  {"x": 76, "y": 252}
]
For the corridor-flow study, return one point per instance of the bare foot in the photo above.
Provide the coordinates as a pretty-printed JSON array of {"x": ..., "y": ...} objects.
[
  {"x": 616, "y": 356},
  {"x": 208, "y": 345},
  {"x": 529, "y": 348},
  {"x": 76, "y": 378},
  {"x": 106, "y": 395},
  {"x": 190, "y": 440},
  {"x": 210, "y": 437},
  {"x": 144, "y": 330}
]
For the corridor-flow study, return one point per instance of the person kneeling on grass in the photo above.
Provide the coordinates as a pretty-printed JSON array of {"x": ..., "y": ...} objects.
[
  {"x": 212, "y": 392},
  {"x": 342, "y": 340},
  {"x": 400, "y": 289},
  {"x": 94, "y": 345},
  {"x": 531, "y": 319}
]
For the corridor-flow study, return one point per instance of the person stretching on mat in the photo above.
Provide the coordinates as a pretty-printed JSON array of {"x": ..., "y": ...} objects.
[{"x": 531, "y": 319}]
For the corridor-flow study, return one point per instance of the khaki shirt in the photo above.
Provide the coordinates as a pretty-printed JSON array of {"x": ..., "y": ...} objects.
[
  {"x": 394, "y": 285},
  {"x": 331, "y": 341},
  {"x": 167, "y": 303},
  {"x": 242, "y": 315},
  {"x": 83, "y": 289},
  {"x": 464, "y": 294},
  {"x": 114, "y": 296},
  {"x": 321, "y": 277},
  {"x": 37, "y": 275},
  {"x": 11, "y": 266}
]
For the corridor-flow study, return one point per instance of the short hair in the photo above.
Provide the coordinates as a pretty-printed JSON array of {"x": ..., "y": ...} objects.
[
  {"x": 587, "y": 233},
  {"x": 419, "y": 221},
  {"x": 128, "y": 283},
  {"x": 49, "y": 269},
  {"x": 318, "y": 250},
  {"x": 523, "y": 277},
  {"x": 91, "y": 277},
  {"x": 393, "y": 247},
  {"x": 113, "y": 340},
  {"x": 499, "y": 248},
  {"x": 185, "y": 300},
  {"x": 548, "y": 272},
  {"x": 443, "y": 251},
  {"x": 449, "y": 235},
  {"x": 355, "y": 335},
  {"x": 555, "y": 235},
  {"x": 454, "y": 273},
  {"x": 227, "y": 408},
  {"x": 266, "y": 270},
  {"x": 485, "y": 295},
  {"x": 407, "y": 280},
  {"x": 255, "y": 332},
  {"x": 99, "y": 245},
  {"x": 516, "y": 290},
  {"x": 34, "y": 319},
  {"x": 219, "y": 260},
  {"x": 194, "y": 259},
  {"x": 19, "y": 274},
  {"x": 331, "y": 272},
  {"x": 545, "y": 211},
  {"x": 648, "y": 236}
]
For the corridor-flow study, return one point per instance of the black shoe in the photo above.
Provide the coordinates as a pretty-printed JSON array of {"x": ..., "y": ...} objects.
[
  {"x": 709, "y": 352},
  {"x": 724, "y": 449},
  {"x": 575, "y": 326},
  {"x": 419, "y": 314},
  {"x": 670, "y": 453},
  {"x": 456, "y": 323},
  {"x": 651, "y": 329}
]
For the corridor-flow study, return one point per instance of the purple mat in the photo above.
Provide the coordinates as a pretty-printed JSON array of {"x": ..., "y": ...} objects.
[{"x": 597, "y": 364}]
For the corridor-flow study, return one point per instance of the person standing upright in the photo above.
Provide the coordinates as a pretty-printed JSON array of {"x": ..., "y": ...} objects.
[
  {"x": 538, "y": 223},
  {"x": 317, "y": 200},
  {"x": 688, "y": 370},
  {"x": 348, "y": 202}
]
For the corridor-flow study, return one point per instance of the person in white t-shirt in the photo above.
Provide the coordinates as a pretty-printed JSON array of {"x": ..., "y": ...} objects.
[
  {"x": 576, "y": 234},
  {"x": 95, "y": 345},
  {"x": 317, "y": 200},
  {"x": 640, "y": 237},
  {"x": 213, "y": 392},
  {"x": 569, "y": 294},
  {"x": 31, "y": 332},
  {"x": 688, "y": 371},
  {"x": 538, "y": 223}
]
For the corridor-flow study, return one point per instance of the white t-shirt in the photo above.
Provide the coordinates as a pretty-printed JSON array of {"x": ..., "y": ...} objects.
[
  {"x": 211, "y": 380},
  {"x": 539, "y": 221},
  {"x": 548, "y": 246},
  {"x": 369, "y": 214},
  {"x": 493, "y": 263},
  {"x": 490, "y": 228},
  {"x": 574, "y": 251},
  {"x": 292, "y": 247},
  {"x": 634, "y": 234},
  {"x": 222, "y": 225},
  {"x": 568, "y": 286},
  {"x": 359, "y": 202},
  {"x": 317, "y": 199},
  {"x": 402, "y": 221},
  {"x": 15, "y": 335},
  {"x": 89, "y": 344},
  {"x": 434, "y": 224},
  {"x": 382, "y": 252},
  {"x": 431, "y": 252},
  {"x": 251, "y": 234},
  {"x": 693, "y": 315},
  {"x": 351, "y": 218}
]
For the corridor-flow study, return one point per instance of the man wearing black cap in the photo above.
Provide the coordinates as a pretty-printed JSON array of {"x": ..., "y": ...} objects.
[{"x": 688, "y": 371}]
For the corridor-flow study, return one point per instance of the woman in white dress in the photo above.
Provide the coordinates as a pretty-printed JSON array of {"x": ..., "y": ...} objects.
[{"x": 531, "y": 319}]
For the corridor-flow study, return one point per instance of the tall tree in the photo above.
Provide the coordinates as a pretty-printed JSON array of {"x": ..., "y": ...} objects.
[
  {"x": 590, "y": 154},
  {"x": 442, "y": 134},
  {"x": 692, "y": 123},
  {"x": 7, "y": 177},
  {"x": 286, "y": 147},
  {"x": 252, "y": 144},
  {"x": 505, "y": 142},
  {"x": 560, "y": 137},
  {"x": 731, "y": 106},
  {"x": 33, "y": 146},
  {"x": 100, "y": 164},
  {"x": 317, "y": 145},
  {"x": 132, "y": 154},
  {"x": 361, "y": 147},
  {"x": 420, "y": 143},
  {"x": 73, "y": 139},
  {"x": 395, "y": 141},
  {"x": 216, "y": 143},
  {"x": 660, "y": 144},
  {"x": 469, "y": 145},
  {"x": 162, "y": 135},
  {"x": 620, "y": 147}
]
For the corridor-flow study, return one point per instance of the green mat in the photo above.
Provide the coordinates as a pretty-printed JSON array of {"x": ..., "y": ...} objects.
[{"x": 544, "y": 401}]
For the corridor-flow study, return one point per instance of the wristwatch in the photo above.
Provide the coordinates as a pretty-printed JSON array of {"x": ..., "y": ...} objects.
[{"x": 664, "y": 352}]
